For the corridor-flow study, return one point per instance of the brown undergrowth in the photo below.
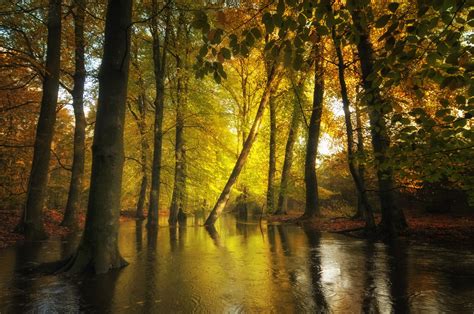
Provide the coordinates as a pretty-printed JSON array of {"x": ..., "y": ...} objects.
[
  {"x": 426, "y": 228},
  {"x": 52, "y": 218}
]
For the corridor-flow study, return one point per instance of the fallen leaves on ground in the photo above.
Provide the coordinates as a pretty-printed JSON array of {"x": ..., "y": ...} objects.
[
  {"x": 422, "y": 227},
  {"x": 9, "y": 219}
]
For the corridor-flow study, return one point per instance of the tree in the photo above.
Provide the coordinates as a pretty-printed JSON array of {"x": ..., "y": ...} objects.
[
  {"x": 98, "y": 250},
  {"x": 140, "y": 119},
  {"x": 75, "y": 188},
  {"x": 32, "y": 223},
  {"x": 357, "y": 176},
  {"x": 393, "y": 220},
  {"x": 159, "y": 59},
  {"x": 271, "y": 84},
  {"x": 290, "y": 142},
  {"x": 178, "y": 199},
  {"x": 311, "y": 181},
  {"x": 272, "y": 157}
]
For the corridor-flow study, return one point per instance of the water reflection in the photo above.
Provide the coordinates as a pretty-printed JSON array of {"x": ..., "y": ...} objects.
[
  {"x": 397, "y": 270},
  {"x": 315, "y": 270},
  {"x": 232, "y": 268}
]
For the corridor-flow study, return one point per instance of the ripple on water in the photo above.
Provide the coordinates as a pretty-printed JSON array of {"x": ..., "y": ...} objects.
[{"x": 287, "y": 270}]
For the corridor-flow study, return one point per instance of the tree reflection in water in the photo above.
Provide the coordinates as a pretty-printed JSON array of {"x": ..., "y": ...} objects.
[{"x": 314, "y": 261}]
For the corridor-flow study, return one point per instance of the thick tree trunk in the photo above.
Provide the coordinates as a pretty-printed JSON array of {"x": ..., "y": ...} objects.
[
  {"x": 312, "y": 199},
  {"x": 98, "y": 250},
  {"x": 393, "y": 220},
  {"x": 225, "y": 194},
  {"x": 358, "y": 181},
  {"x": 32, "y": 223},
  {"x": 159, "y": 59},
  {"x": 272, "y": 158},
  {"x": 75, "y": 187},
  {"x": 290, "y": 143}
]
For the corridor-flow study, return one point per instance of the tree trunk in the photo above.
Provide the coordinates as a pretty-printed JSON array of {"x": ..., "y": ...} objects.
[
  {"x": 75, "y": 187},
  {"x": 224, "y": 197},
  {"x": 140, "y": 119},
  {"x": 272, "y": 158},
  {"x": 143, "y": 154},
  {"x": 358, "y": 181},
  {"x": 179, "y": 188},
  {"x": 159, "y": 59},
  {"x": 290, "y": 143},
  {"x": 361, "y": 209},
  {"x": 98, "y": 250},
  {"x": 312, "y": 199},
  {"x": 393, "y": 220},
  {"x": 32, "y": 224}
]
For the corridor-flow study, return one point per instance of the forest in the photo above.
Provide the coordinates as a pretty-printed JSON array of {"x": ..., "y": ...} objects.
[{"x": 295, "y": 120}]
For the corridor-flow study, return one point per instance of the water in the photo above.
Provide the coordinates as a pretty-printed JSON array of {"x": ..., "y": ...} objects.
[{"x": 245, "y": 268}]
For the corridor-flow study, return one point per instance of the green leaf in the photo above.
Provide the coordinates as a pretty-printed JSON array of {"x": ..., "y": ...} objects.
[
  {"x": 393, "y": 6},
  {"x": 460, "y": 123},
  {"x": 281, "y": 7},
  {"x": 225, "y": 53},
  {"x": 383, "y": 20},
  {"x": 432, "y": 57},
  {"x": 322, "y": 30},
  {"x": 256, "y": 33},
  {"x": 217, "y": 78},
  {"x": 268, "y": 22},
  {"x": 460, "y": 99}
]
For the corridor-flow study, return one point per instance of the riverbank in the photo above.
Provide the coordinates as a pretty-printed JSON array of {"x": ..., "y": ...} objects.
[
  {"x": 425, "y": 228},
  {"x": 52, "y": 219}
]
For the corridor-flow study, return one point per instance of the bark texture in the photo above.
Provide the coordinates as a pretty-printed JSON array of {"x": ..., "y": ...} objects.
[
  {"x": 179, "y": 197},
  {"x": 75, "y": 188},
  {"x": 98, "y": 250},
  {"x": 270, "y": 85},
  {"x": 32, "y": 223},
  {"x": 310, "y": 178},
  {"x": 159, "y": 60},
  {"x": 393, "y": 220},
  {"x": 178, "y": 201}
]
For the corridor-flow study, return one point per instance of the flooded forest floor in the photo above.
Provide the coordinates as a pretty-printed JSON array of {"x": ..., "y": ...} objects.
[{"x": 423, "y": 227}]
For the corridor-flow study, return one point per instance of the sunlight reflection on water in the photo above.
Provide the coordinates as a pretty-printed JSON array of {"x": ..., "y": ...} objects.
[{"x": 245, "y": 269}]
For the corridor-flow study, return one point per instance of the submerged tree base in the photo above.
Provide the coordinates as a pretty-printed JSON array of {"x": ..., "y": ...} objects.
[{"x": 83, "y": 261}]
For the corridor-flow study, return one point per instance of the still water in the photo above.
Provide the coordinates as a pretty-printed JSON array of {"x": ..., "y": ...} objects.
[{"x": 246, "y": 267}]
